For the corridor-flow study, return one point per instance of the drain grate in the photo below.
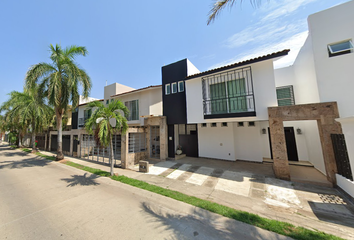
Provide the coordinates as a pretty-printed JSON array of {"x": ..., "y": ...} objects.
[{"x": 334, "y": 199}]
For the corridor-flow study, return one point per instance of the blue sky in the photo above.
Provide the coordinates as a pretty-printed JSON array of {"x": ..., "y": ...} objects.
[{"x": 129, "y": 41}]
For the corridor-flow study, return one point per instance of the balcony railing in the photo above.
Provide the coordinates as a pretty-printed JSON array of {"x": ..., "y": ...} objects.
[{"x": 229, "y": 94}]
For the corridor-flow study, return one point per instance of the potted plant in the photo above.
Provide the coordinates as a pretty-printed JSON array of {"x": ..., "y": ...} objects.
[{"x": 179, "y": 150}]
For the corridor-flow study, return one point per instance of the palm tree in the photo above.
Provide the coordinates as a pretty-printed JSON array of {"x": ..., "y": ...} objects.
[
  {"x": 219, "y": 5},
  {"x": 106, "y": 121},
  {"x": 29, "y": 109},
  {"x": 61, "y": 79}
]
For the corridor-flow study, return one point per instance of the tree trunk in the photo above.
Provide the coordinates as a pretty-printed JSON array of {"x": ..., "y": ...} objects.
[
  {"x": 111, "y": 154},
  {"x": 60, "y": 154},
  {"x": 19, "y": 139}
]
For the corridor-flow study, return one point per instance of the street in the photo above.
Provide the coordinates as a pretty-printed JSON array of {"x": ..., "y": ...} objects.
[{"x": 40, "y": 199}]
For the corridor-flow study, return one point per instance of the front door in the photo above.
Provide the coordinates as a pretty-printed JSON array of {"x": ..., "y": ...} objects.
[{"x": 290, "y": 144}]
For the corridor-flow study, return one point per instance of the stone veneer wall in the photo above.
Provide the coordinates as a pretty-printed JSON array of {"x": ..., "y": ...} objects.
[{"x": 324, "y": 113}]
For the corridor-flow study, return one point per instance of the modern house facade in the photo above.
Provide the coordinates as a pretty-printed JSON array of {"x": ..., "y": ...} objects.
[{"x": 323, "y": 72}]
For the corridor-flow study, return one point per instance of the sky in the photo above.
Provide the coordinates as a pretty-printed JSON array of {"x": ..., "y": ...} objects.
[{"x": 129, "y": 41}]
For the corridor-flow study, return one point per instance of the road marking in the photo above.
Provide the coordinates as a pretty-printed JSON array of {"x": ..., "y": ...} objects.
[{"x": 200, "y": 175}]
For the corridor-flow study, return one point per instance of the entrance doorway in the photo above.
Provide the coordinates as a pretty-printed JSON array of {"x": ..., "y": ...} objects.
[
  {"x": 155, "y": 142},
  {"x": 290, "y": 144}
]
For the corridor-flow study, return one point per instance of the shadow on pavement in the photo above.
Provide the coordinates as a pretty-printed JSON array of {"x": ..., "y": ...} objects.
[
  {"x": 201, "y": 225},
  {"x": 338, "y": 213},
  {"x": 82, "y": 180},
  {"x": 31, "y": 162}
]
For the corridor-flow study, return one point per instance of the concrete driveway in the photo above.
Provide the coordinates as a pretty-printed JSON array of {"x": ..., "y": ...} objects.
[{"x": 48, "y": 200}]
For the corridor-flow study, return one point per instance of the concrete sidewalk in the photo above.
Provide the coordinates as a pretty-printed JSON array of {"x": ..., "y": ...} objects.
[{"x": 314, "y": 207}]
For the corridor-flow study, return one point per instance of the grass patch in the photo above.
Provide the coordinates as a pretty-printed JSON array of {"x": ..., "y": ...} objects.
[
  {"x": 39, "y": 154},
  {"x": 279, "y": 227},
  {"x": 13, "y": 146}
]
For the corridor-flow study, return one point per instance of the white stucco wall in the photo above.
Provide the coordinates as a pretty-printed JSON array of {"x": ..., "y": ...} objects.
[
  {"x": 345, "y": 184},
  {"x": 264, "y": 94},
  {"x": 334, "y": 74},
  {"x": 150, "y": 103},
  {"x": 216, "y": 142},
  {"x": 115, "y": 88},
  {"x": 191, "y": 69},
  {"x": 248, "y": 144}
]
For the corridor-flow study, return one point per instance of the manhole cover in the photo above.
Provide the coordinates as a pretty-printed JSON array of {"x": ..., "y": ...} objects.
[{"x": 334, "y": 199}]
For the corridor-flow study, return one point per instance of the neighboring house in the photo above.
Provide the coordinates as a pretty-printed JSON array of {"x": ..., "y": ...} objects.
[
  {"x": 323, "y": 72},
  {"x": 144, "y": 139}
]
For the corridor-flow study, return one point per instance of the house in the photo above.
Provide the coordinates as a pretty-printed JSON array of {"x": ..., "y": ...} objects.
[
  {"x": 323, "y": 72},
  {"x": 144, "y": 139},
  {"x": 219, "y": 113}
]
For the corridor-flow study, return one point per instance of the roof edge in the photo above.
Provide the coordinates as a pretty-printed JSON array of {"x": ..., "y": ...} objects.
[
  {"x": 246, "y": 62},
  {"x": 137, "y": 90}
]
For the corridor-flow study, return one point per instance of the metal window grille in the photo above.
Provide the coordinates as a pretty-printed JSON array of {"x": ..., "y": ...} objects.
[
  {"x": 285, "y": 96},
  {"x": 228, "y": 92},
  {"x": 137, "y": 142},
  {"x": 133, "y": 107}
]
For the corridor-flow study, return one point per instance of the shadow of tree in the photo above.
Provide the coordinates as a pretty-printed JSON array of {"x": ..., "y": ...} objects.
[
  {"x": 29, "y": 162},
  {"x": 83, "y": 180},
  {"x": 201, "y": 224}
]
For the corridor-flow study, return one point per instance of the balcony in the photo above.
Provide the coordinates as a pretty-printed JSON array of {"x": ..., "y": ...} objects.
[{"x": 228, "y": 94}]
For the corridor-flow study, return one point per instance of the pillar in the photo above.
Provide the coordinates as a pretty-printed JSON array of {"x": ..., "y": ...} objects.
[{"x": 125, "y": 149}]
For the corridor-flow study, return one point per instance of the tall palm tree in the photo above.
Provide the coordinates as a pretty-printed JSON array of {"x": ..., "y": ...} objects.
[
  {"x": 30, "y": 109},
  {"x": 107, "y": 121},
  {"x": 219, "y": 5},
  {"x": 61, "y": 79}
]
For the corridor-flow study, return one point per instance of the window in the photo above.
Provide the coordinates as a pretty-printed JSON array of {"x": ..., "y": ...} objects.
[
  {"x": 228, "y": 93},
  {"x": 167, "y": 89},
  {"x": 228, "y": 97},
  {"x": 174, "y": 87},
  {"x": 213, "y": 124},
  {"x": 204, "y": 125},
  {"x": 251, "y": 124},
  {"x": 107, "y": 101},
  {"x": 240, "y": 124},
  {"x": 87, "y": 114},
  {"x": 285, "y": 96},
  {"x": 224, "y": 124},
  {"x": 111, "y": 100},
  {"x": 340, "y": 48},
  {"x": 133, "y": 107},
  {"x": 137, "y": 142},
  {"x": 180, "y": 86}
]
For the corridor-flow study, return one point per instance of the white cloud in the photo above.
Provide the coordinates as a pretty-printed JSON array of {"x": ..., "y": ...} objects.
[{"x": 294, "y": 43}]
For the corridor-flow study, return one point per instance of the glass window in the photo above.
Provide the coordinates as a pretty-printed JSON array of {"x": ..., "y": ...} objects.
[
  {"x": 224, "y": 124},
  {"x": 174, "y": 87},
  {"x": 87, "y": 114},
  {"x": 180, "y": 86},
  {"x": 133, "y": 107},
  {"x": 167, "y": 89},
  {"x": 240, "y": 124},
  {"x": 340, "y": 48},
  {"x": 251, "y": 124},
  {"x": 213, "y": 124},
  {"x": 285, "y": 96},
  {"x": 204, "y": 124},
  {"x": 107, "y": 102}
]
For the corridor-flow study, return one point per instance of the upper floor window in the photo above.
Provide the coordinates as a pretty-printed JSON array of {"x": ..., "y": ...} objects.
[
  {"x": 285, "y": 96},
  {"x": 228, "y": 92},
  {"x": 180, "y": 86},
  {"x": 167, "y": 89},
  {"x": 340, "y": 48},
  {"x": 133, "y": 107},
  {"x": 174, "y": 87},
  {"x": 107, "y": 101},
  {"x": 87, "y": 114}
]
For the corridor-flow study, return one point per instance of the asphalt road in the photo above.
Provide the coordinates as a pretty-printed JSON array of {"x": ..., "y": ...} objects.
[{"x": 40, "y": 199}]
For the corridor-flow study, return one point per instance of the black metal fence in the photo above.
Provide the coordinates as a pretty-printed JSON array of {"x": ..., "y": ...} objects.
[
  {"x": 341, "y": 155},
  {"x": 40, "y": 142}
]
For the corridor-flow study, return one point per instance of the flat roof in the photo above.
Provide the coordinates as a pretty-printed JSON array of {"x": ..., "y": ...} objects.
[{"x": 82, "y": 104}]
